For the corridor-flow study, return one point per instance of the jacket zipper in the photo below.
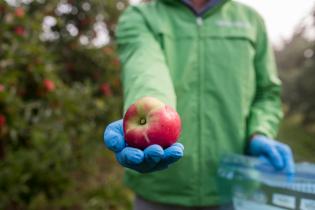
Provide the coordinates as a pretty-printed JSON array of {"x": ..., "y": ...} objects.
[{"x": 199, "y": 21}]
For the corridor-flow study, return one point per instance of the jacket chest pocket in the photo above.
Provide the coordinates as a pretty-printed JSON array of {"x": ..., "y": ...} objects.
[
  {"x": 233, "y": 43},
  {"x": 180, "y": 51},
  {"x": 229, "y": 54}
]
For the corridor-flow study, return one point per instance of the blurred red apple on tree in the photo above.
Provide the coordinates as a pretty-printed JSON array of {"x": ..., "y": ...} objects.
[
  {"x": 19, "y": 30},
  {"x": 19, "y": 12},
  {"x": 116, "y": 62},
  {"x": 106, "y": 90},
  {"x": 149, "y": 121},
  {"x": 2, "y": 120},
  {"x": 1, "y": 88},
  {"x": 49, "y": 85}
]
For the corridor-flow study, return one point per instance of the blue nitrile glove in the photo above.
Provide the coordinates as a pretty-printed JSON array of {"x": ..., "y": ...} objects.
[
  {"x": 277, "y": 153},
  {"x": 153, "y": 158}
]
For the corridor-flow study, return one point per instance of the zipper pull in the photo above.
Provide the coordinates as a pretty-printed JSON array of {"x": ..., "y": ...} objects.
[{"x": 199, "y": 21}]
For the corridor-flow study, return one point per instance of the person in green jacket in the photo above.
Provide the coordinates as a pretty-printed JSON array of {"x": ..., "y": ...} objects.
[{"x": 211, "y": 60}]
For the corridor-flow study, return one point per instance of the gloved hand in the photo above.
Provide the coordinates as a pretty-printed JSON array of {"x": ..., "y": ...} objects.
[
  {"x": 151, "y": 159},
  {"x": 278, "y": 154}
]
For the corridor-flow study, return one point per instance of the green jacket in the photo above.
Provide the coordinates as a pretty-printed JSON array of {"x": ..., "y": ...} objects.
[{"x": 219, "y": 73}]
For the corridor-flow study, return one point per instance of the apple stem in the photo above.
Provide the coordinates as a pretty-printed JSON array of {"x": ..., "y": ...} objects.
[{"x": 142, "y": 121}]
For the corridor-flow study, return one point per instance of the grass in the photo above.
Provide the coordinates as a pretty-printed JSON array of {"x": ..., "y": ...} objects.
[{"x": 301, "y": 141}]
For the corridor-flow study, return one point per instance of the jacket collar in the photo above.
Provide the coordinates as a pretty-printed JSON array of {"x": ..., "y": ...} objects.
[
  {"x": 181, "y": 1},
  {"x": 206, "y": 12}
]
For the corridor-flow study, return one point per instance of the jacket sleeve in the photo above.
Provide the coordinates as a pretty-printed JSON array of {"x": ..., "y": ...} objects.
[
  {"x": 266, "y": 111},
  {"x": 144, "y": 69}
]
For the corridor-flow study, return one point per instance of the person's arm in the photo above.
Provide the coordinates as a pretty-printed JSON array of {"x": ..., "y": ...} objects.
[
  {"x": 144, "y": 73},
  {"x": 144, "y": 69},
  {"x": 266, "y": 111}
]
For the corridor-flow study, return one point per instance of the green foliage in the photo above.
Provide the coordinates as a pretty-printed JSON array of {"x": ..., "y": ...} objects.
[
  {"x": 297, "y": 70},
  {"x": 58, "y": 89},
  {"x": 298, "y": 138}
]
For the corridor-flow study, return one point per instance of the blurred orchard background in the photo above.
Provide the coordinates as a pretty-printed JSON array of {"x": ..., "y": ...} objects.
[{"x": 60, "y": 86}]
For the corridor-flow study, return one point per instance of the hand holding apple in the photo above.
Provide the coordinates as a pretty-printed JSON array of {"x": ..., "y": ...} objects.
[{"x": 153, "y": 157}]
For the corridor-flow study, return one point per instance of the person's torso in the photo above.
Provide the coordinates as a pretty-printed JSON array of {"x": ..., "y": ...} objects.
[{"x": 211, "y": 62}]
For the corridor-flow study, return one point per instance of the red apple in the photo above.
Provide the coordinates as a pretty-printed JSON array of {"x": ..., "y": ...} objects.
[
  {"x": 108, "y": 51},
  {"x": 105, "y": 89},
  {"x": 19, "y": 30},
  {"x": 1, "y": 88},
  {"x": 116, "y": 62},
  {"x": 149, "y": 121},
  {"x": 19, "y": 12},
  {"x": 2, "y": 120},
  {"x": 49, "y": 85}
]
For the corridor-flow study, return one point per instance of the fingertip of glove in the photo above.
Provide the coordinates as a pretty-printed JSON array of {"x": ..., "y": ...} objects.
[
  {"x": 278, "y": 164},
  {"x": 114, "y": 142},
  {"x": 290, "y": 167},
  {"x": 155, "y": 150},
  {"x": 113, "y": 137},
  {"x": 153, "y": 154},
  {"x": 179, "y": 145},
  {"x": 178, "y": 154},
  {"x": 131, "y": 156},
  {"x": 174, "y": 153}
]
